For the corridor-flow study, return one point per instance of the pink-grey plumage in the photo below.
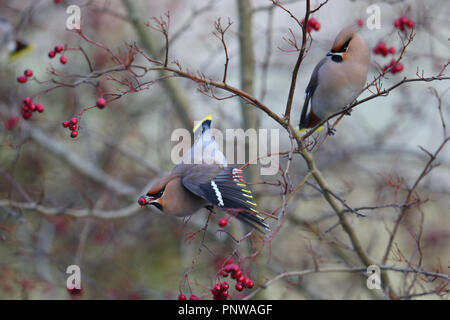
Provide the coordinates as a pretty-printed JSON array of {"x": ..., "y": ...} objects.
[{"x": 338, "y": 79}]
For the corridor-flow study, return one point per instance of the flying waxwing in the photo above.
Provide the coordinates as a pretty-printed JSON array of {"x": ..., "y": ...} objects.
[
  {"x": 9, "y": 45},
  {"x": 202, "y": 179},
  {"x": 338, "y": 79}
]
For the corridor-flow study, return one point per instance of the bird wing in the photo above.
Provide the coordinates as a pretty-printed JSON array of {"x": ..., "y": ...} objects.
[
  {"x": 310, "y": 89},
  {"x": 223, "y": 187}
]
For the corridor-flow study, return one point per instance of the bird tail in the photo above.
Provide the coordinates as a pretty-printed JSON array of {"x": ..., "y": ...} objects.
[{"x": 253, "y": 220}]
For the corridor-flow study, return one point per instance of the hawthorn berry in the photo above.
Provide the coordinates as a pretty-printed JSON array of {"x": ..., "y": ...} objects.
[
  {"x": 101, "y": 103},
  {"x": 51, "y": 54},
  {"x": 63, "y": 59},
  {"x": 11, "y": 122},
  {"x": 22, "y": 79},
  {"x": 181, "y": 296},
  {"x": 27, "y": 115},
  {"x": 74, "y": 120},
  {"x": 224, "y": 286},
  {"x": 73, "y": 127},
  {"x": 27, "y": 101},
  {"x": 65, "y": 124},
  {"x": 74, "y": 134},
  {"x": 39, "y": 107},
  {"x": 28, "y": 73},
  {"x": 194, "y": 297},
  {"x": 142, "y": 201},
  {"x": 248, "y": 283},
  {"x": 32, "y": 106},
  {"x": 223, "y": 222},
  {"x": 58, "y": 48},
  {"x": 360, "y": 22},
  {"x": 223, "y": 273},
  {"x": 239, "y": 286}
]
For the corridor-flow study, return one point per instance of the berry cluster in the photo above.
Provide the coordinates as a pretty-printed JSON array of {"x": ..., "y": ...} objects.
[
  {"x": 394, "y": 67},
  {"x": 383, "y": 50},
  {"x": 403, "y": 22},
  {"x": 223, "y": 222},
  {"x": 58, "y": 49},
  {"x": 192, "y": 297},
  {"x": 24, "y": 77},
  {"x": 235, "y": 271},
  {"x": 72, "y": 125},
  {"x": 28, "y": 107},
  {"x": 220, "y": 291},
  {"x": 312, "y": 24}
]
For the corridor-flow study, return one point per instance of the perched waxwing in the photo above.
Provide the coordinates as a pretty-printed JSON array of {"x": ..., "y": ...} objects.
[
  {"x": 202, "y": 179},
  {"x": 10, "y": 46},
  {"x": 338, "y": 79}
]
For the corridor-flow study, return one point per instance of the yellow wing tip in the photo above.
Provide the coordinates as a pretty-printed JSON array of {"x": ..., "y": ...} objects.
[
  {"x": 198, "y": 125},
  {"x": 19, "y": 54}
]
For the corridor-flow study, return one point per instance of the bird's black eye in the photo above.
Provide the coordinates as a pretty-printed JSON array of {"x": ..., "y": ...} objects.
[{"x": 157, "y": 194}]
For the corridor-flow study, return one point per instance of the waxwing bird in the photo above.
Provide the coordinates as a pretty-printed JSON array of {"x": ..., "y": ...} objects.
[
  {"x": 9, "y": 44},
  {"x": 338, "y": 79},
  {"x": 202, "y": 179}
]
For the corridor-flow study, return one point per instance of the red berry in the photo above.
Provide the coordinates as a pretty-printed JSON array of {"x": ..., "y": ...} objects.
[
  {"x": 101, "y": 103},
  {"x": 11, "y": 122},
  {"x": 27, "y": 100},
  {"x": 39, "y": 107},
  {"x": 194, "y": 297},
  {"x": 58, "y": 48},
  {"x": 22, "y": 79},
  {"x": 225, "y": 293},
  {"x": 65, "y": 124},
  {"x": 410, "y": 24},
  {"x": 142, "y": 201},
  {"x": 28, "y": 73},
  {"x": 391, "y": 50},
  {"x": 182, "y": 297},
  {"x": 27, "y": 115},
  {"x": 223, "y": 222},
  {"x": 51, "y": 54},
  {"x": 316, "y": 26},
  {"x": 376, "y": 50},
  {"x": 224, "y": 286},
  {"x": 74, "y": 120},
  {"x": 238, "y": 274},
  {"x": 397, "y": 23},
  {"x": 233, "y": 268},
  {"x": 223, "y": 273},
  {"x": 248, "y": 283},
  {"x": 239, "y": 286},
  {"x": 398, "y": 68},
  {"x": 74, "y": 134},
  {"x": 25, "y": 108},
  {"x": 63, "y": 59},
  {"x": 404, "y": 20},
  {"x": 241, "y": 279},
  {"x": 73, "y": 127},
  {"x": 32, "y": 106},
  {"x": 75, "y": 291},
  {"x": 360, "y": 22}
]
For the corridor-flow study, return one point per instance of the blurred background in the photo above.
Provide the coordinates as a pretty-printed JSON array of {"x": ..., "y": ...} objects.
[{"x": 66, "y": 201}]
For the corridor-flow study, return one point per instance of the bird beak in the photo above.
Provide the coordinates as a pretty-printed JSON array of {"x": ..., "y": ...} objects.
[{"x": 330, "y": 53}]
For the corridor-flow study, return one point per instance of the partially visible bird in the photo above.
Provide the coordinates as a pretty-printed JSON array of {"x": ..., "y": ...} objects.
[
  {"x": 10, "y": 46},
  {"x": 338, "y": 79},
  {"x": 203, "y": 180}
]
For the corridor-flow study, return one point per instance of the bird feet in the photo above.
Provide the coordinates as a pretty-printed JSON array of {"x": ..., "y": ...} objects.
[{"x": 330, "y": 131}]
